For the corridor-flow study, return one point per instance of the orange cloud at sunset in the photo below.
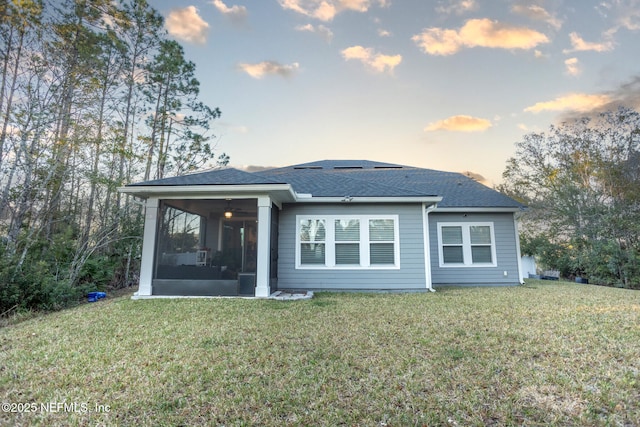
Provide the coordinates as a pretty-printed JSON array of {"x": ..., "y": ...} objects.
[
  {"x": 478, "y": 33},
  {"x": 579, "y": 102},
  {"x": 460, "y": 123},
  {"x": 375, "y": 61}
]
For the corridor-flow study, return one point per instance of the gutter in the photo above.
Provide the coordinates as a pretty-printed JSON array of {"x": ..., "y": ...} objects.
[
  {"x": 306, "y": 198},
  {"x": 285, "y": 193}
]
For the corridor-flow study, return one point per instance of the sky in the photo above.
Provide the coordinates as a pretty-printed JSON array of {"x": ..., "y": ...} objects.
[{"x": 445, "y": 84}]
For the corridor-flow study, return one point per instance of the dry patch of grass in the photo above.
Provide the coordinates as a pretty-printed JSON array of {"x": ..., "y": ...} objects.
[{"x": 545, "y": 353}]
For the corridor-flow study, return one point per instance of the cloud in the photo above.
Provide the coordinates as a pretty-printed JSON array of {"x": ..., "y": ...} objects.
[
  {"x": 185, "y": 24},
  {"x": 321, "y": 30},
  {"x": 457, "y": 7},
  {"x": 326, "y": 10},
  {"x": 575, "y": 102},
  {"x": 631, "y": 20},
  {"x": 237, "y": 14},
  {"x": 383, "y": 33},
  {"x": 478, "y": 33},
  {"x": 375, "y": 61},
  {"x": 460, "y": 123},
  {"x": 537, "y": 13},
  {"x": 578, "y": 44},
  {"x": 573, "y": 66},
  {"x": 573, "y": 106},
  {"x": 261, "y": 69}
]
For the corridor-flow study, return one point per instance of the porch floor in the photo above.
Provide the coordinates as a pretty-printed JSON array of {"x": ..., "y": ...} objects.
[{"x": 277, "y": 295}]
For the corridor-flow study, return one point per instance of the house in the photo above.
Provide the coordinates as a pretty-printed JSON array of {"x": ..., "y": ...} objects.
[{"x": 326, "y": 225}]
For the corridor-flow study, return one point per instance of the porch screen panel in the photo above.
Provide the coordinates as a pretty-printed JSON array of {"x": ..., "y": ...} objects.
[
  {"x": 179, "y": 240},
  {"x": 312, "y": 241}
]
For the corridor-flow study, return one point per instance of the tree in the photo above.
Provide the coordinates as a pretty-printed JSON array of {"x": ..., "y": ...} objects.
[
  {"x": 582, "y": 185},
  {"x": 173, "y": 90},
  {"x": 78, "y": 80}
]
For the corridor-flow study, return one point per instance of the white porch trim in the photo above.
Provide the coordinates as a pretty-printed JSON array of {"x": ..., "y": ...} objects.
[
  {"x": 263, "y": 288},
  {"x": 148, "y": 246}
]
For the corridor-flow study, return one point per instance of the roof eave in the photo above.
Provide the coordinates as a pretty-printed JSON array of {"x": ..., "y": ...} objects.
[
  {"x": 305, "y": 198},
  {"x": 282, "y": 192},
  {"x": 479, "y": 209}
]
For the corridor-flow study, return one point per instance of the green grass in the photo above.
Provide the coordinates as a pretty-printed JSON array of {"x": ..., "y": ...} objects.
[{"x": 545, "y": 353}]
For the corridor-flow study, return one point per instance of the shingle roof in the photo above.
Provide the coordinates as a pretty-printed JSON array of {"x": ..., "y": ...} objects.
[
  {"x": 353, "y": 177},
  {"x": 358, "y": 178},
  {"x": 229, "y": 176}
]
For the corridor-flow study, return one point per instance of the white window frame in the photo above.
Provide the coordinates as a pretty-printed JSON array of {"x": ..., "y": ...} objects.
[
  {"x": 330, "y": 243},
  {"x": 466, "y": 245}
]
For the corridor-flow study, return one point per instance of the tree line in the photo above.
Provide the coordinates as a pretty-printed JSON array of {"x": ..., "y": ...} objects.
[
  {"x": 581, "y": 181},
  {"x": 93, "y": 95}
]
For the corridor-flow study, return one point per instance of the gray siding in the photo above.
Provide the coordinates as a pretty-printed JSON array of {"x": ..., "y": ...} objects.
[
  {"x": 506, "y": 253},
  {"x": 410, "y": 276}
]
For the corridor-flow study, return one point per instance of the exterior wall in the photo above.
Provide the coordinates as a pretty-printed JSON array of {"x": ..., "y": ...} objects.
[
  {"x": 410, "y": 275},
  {"x": 506, "y": 252}
]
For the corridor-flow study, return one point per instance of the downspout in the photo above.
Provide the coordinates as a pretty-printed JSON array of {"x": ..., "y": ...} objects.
[{"x": 427, "y": 246}]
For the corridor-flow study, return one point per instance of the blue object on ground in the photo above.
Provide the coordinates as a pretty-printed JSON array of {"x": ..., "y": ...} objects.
[{"x": 95, "y": 296}]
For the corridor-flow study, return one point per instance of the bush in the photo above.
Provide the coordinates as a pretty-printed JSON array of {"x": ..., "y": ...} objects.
[{"x": 550, "y": 255}]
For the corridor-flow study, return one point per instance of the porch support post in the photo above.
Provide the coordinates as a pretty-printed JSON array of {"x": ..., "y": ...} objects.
[
  {"x": 148, "y": 246},
  {"x": 263, "y": 288}
]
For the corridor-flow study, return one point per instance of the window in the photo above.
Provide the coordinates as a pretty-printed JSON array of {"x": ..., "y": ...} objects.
[
  {"x": 347, "y": 241},
  {"x": 381, "y": 241},
  {"x": 340, "y": 241},
  {"x": 312, "y": 237},
  {"x": 466, "y": 245}
]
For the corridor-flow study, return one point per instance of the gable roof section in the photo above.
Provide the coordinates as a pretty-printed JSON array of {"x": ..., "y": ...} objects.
[
  {"x": 355, "y": 178},
  {"x": 339, "y": 183},
  {"x": 456, "y": 189}
]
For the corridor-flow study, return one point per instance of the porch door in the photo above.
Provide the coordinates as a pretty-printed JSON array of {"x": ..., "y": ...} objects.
[{"x": 239, "y": 244}]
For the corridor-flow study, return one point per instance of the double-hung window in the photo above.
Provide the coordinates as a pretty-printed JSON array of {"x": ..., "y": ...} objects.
[
  {"x": 312, "y": 244},
  {"x": 348, "y": 241},
  {"x": 382, "y": 241},
  {"x": 466, "y": 244}
]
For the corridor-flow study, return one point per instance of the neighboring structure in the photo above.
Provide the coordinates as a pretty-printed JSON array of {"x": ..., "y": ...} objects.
[{"x": 327, "y": 225}]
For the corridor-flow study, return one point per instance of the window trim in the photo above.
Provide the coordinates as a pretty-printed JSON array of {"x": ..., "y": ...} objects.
[
  {"x": 467, "y": 258},
  {"x": 330, "y": 243}
]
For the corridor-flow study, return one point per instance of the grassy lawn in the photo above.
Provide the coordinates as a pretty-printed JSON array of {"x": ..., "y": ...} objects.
[{"x": 540, "y": 354}]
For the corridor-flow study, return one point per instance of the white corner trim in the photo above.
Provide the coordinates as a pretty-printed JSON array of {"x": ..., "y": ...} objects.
[{"x": 427, "y": 245}]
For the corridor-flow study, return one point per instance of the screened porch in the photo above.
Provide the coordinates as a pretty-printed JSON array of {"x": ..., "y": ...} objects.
[{"x": 207, "y": 247}]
